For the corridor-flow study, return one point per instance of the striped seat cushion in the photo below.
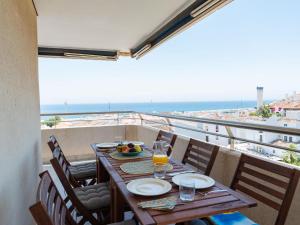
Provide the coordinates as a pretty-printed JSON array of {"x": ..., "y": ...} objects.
[
  {"x": 83, "y": 171},
  {"x": 94, "y": 197}
]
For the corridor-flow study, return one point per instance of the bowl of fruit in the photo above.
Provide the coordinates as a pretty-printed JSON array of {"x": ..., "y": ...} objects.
[{"x": 129, "y": 149}]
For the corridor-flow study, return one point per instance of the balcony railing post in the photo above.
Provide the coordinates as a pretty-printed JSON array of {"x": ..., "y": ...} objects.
[
  {"x": 169, "y": 123},
  {"x": 141, "y": 119},
  {"x": 230, "y": 134},
  {"x": 231, "y": 143}
]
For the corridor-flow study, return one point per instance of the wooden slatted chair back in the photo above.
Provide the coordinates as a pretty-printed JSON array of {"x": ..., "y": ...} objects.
[
  {"x": 170, "y": 138},
  {"x": 267, "y": 182},
  {"x": 50, "y": 208},
  {"x": 66, "y": 180},
  {"x": 62, "y": 168},
  {"x": 53, "y": 143},
  {"x": 200, "y": 155},
  {"x": 54, "y": 146}
]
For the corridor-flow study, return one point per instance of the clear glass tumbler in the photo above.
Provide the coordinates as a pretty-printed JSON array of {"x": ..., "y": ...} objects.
[
  {"x": 118, "y": 139},
  {"x": 160, "y": 170},
  {"x": 187, "y": 190}
]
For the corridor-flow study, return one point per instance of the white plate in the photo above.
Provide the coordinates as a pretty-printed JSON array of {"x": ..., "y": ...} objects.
[
  {"x": 149, "y": 187},
  {"x": 201, "y": 181},
  {"x": 107, "y": 145},
  {"x": 134, "y": 142}
]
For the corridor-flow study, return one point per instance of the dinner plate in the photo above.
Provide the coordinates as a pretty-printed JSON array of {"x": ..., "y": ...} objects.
[
  {"x": 134, "y": 142},
  {"x": 201, "y": 181},
  {"x": 107, "y": 145},
  {"x": 149, "y": 187}
]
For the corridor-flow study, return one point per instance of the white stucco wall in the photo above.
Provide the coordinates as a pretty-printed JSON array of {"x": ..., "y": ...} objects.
[
  {"x": 293, "y": 114},
  {"x": 19, "y": 111}
]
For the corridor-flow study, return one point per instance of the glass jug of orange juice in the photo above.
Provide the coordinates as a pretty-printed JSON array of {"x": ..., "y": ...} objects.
[{"x": 160, "y": 152}]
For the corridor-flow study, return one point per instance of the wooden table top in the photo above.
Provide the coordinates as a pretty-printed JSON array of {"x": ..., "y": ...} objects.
[{"x": 203, "y": 206}]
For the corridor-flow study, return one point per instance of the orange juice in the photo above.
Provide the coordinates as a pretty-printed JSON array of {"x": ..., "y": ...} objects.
[{"x": 163, "y": 159}]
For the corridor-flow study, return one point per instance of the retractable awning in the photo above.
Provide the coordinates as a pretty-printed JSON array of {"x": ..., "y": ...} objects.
[{"x": 106, "y": 29}]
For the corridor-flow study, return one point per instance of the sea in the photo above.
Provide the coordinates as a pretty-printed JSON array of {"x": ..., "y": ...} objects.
[{"x": 148, "y": 107}]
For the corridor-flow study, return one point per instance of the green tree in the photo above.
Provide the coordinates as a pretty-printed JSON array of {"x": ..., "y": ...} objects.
[
  {"x": 264, "y": 111},
  {"x": 253, "y": 114},
  {"x": 291, "y": 156},
  {"x": 52, "y": 121}
]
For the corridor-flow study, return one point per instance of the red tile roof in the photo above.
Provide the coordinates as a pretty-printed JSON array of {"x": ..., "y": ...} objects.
[{"x": 292, "y": 103}]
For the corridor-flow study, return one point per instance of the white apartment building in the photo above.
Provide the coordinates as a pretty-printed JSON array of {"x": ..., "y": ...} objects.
[
  {"x": 291, "y": 120},
  {"x": 287, "y": 115}
]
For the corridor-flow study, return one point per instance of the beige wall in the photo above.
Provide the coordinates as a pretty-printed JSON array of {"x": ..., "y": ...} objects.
[
  {"x": 77, "y": 140},
  {"x": 19, "y": 111}
]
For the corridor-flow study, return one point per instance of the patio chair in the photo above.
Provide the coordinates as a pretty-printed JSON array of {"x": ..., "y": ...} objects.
[
  {"x": 81, "y": 172},
  {"x": 170, "y": 138},
  {"x": 269, "y": 183},
  {"x": 53, "y": 144},
  {"x": 50, "y": 208},
  {"x": 200, "y": 155},
  {"x": 88, "y": 200}
]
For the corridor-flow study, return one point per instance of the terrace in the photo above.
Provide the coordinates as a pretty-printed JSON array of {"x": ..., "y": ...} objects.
[
  {"x": 24, "y": 144},
  {"x": 110, "y": 126}
]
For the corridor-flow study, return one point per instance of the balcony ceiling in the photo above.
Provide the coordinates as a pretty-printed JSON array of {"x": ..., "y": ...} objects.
[{"x": 109, "y": 27}]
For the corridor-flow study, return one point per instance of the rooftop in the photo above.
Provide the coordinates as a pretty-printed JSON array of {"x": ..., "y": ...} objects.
[{"x": 290, "y": 102}]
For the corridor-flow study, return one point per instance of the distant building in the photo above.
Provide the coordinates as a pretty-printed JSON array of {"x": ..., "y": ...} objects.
[
  {"x": 289, "y": 105},
  {"x": 288, "y": 116}
]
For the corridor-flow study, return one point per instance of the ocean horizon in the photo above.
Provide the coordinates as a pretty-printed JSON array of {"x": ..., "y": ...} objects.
[{"x": 148, "y": 107}]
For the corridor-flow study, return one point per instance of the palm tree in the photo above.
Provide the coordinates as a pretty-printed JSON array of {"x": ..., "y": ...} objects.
[{"x": 291, "y": 156}]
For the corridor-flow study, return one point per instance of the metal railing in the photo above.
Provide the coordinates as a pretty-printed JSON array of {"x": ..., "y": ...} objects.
[
  {"x": 144, "y": 119},
  {"x": 85, "y": 113}
]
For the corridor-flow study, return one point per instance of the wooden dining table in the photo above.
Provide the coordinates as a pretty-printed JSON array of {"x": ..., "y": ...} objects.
[{"x": 206, "y": 203}]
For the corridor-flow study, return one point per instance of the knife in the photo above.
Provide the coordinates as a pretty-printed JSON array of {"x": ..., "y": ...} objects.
[{"x": 183, "y": 172}]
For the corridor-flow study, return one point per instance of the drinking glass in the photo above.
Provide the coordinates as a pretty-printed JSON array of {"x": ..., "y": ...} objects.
[
  {"x": 160, "y": 170},
  {"x": 118, "y": 139},
  {"x": 187, "y": 190}
]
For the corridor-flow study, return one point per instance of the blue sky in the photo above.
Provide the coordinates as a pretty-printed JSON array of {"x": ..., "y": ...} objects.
[{"x": 224, "y": 57}]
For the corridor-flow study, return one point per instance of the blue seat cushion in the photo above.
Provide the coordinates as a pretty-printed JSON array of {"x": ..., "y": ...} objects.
[
  {"x": 235, "y": 218},
  {"x": 199, "y": 222}
]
